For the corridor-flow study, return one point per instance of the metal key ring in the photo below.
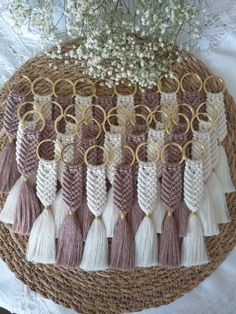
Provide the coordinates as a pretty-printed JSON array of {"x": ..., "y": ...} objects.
[
  {"x": 91, "y": 148},
  {"x": 45, "y": 141},
  {"x": 39, "y": 79},
  {"x": 195, "y": 75},
  {"x": 203, "y": 149},
  {"x": 143, "y": 144},
  {"x": 127, "y": 148},
  {"x": 159, "y": 84},
  {"x": 218, "y": 78},
  {"x": 40, "y": 117},
  {"x": 165, "y": 147},
  {"x": 172, "y": 117}
]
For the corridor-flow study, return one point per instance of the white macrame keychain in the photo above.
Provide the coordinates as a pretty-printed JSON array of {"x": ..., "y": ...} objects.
[
  {"x": 222, "y": 168},
  {"x": 112, "y": 143},
  {"x": 193, "y": 251},
  {"x": 41, "y": 100},
  {"x": 146, "y": 244},
  {"x": 41, "y": 245},
  {"x": 213, "y": 183},
  {"x": 208, "y": 213},
  {"x": 168, "y": 100},
  {"x": 156, "y": 140},
  {"x": 95, "y": 256}
]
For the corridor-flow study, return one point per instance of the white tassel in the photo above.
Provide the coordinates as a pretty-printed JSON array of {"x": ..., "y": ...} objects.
[
  {"x": 95, "y": 255},
  {"x": 59, "y": 211},
  {"x": 110, "y": 215},
  {"x": 41, "y": 246},
  {"x": 146, "y": 244},
  {"x": 96, "y": 248},
  {"x": 218, "y": 199},
  {"x": 207, "y": 215},
  {"x": 223, "y": 172},
  {"x": 8, "y": 212},
  {"x": 193, "y": 245}
]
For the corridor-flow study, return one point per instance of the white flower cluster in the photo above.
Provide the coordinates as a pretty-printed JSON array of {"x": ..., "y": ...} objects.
[{"x": 135, "y": 39}]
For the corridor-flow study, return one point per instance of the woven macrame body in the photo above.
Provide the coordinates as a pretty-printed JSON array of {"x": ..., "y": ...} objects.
[
  {"x": 81, "y": 104},
  {"x": 168, "y": 101},
  {"x": 151, "y": 100},
  {"x": 125, "y": 104},
  {"x": 43, "y": 101}
]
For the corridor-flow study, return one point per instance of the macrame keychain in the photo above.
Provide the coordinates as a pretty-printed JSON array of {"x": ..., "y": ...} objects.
[
  {"x": 208, "y": 211},
  {"x": 168, "y": 99},
  {"x": 70, "y": 240},
  {"x": 122, "y": 245},
  {"x": 214, "y": 184},
  {"x": 178, "y": 132},
  {"x": 156, "y": 140},
  {"x": 191, "y": 97},
  {"x": 40, "y": 100},
  {"x": 151, "y": 99},
  {"x": 95, "y": 256},
  {"x": 146, "y": 245},
  {"x": 113, "y": 143},
  {"x": 193, "y": 250},
  {"x": 171, "y": 193},
  {"x": 8, "y": 167},
  {"x": 83, "y": 101},
  {"x": 59, "y": 207},
  {"x": 27, "y": 206},
  {"x": 8, "y": 212},
  {"x": 41, "y": 246},
  {"x": 222, "y": 169},
  {"x": 125, "y": 103}
]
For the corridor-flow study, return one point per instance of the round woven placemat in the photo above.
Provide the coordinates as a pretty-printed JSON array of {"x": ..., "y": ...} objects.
[{"x": 115, "y": 291}]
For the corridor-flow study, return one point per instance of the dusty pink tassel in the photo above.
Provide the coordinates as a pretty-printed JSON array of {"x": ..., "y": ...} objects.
[
  {"x": 70, "y": 241},
  {"x": 171, "y": 192},
  {"x": 122, "y": 246},
  {"x": 182, "y": 216},
  {"x": 135, "y": 216},
  {"x": 8, "y": 167},
  {"x": 28, "y": 206}
]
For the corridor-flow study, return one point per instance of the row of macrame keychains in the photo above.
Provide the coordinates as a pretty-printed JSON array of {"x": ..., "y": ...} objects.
[{"x": 122, "y": 206}]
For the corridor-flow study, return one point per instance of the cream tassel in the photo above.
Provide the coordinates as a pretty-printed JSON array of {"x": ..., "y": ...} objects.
[
  {"x": 59, "y": 211},
  {"x": 193, "y": 246},
  {"x": 146, "y": 244},
  {"x": 110, "y": 215}
]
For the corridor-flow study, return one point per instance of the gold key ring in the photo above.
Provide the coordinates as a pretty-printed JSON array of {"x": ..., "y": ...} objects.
[
  {"x": 176, "y": 107},
  {"x": 203, "y": 149},
  {"x": 165, "y": 147},
  {"x": 62, "y": 154},
  {"x": 129, "y": 121},
  {"x": 61, "y": 80},
  {"x": 135, "y": 88},
  {"x": 213, "y": 106},
  {"x": 125, "y": 147},
  {"x": 40, "y": 117},
  {"x": 46, "y": 141},
  {"x": 196, "y": 116},
  {"x": 152, "y": 115},
  {"x": 94, "y": 106},
  {"x": 143, "y": 144},
  {"x": 84, "y": 121},
  {"x": 195, "y": 75},
  {"x": 148, "y": 110},
  {"x": 110, "y": 124},
  {"x": 172, "y": 118},
  {"x": 51, "y": 102},
  {"x": 82, "y": 80},
  {"x": 159, "y": 84},
  {"x": 39, "y": 79},
  {"x": 218, "y": 78},
  {"x": 21, "y": 106},
  {"x": 91, "y": 148},
  {"x": 59, "y": 118}
]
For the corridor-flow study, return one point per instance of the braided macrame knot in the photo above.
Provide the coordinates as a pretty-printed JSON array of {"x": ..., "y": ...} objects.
[
  {"x": 72, "y": 185},
  {"x": 46, "y": 181},
  {"x": 193, "y": 184},
  {"x": 123, "y": 188},
  {"x": 27, "y": 159},
  {"x": 171, "y": 186},
  {"x": 96, "y": 189}
]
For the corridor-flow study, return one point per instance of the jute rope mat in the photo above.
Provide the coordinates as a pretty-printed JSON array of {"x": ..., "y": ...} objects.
[{"x": 114, "y": 291}]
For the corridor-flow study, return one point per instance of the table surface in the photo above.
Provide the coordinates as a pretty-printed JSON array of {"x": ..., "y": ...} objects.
[{"x": 217, "y": 293}]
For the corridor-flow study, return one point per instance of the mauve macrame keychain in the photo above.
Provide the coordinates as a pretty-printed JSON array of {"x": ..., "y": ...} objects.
[
  {"x": 95, "y": 256},
  {"x": 8, "y": 167},
  {"x": 151, "y": 100},
  {"x": 193, "y": 250},
  {"x": 146, "y": 245},
  {"x": 113, "y": 143},
  {"x": 70, "y": 240},
  {"x": 105, "y": 102},
  {"x": 19, "y": 209},
  {"x": 222, "y": 168},
  {"x": 41, "y": 246},
  {"x": 171, "y": 193},
  {"x": 122, "y": 245}
]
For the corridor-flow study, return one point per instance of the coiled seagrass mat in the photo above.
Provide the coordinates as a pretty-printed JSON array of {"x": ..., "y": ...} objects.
[{"x": 115, "y": 291}]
